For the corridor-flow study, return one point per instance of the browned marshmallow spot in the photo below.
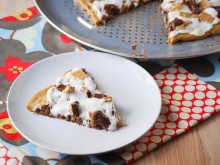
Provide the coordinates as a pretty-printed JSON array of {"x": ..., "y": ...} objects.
[
  {"x": 80, "y": 75},
  {"x": 188, "y": 15},
  {"x": 206, "y": 17},
  {"x": 107, "y": 99},
  {"x": 69, "y": 89},
  {"x": 175, "y": 7},
  {"x": 204, "y": 4}
]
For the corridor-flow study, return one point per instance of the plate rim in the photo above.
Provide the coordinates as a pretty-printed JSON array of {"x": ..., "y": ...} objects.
[
  {"x": 193, "y": 55},
  {"x": 72, "y": 54}
]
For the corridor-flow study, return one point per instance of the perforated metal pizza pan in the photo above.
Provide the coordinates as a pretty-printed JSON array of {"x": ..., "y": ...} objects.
[{"x": 142, "y": 27}]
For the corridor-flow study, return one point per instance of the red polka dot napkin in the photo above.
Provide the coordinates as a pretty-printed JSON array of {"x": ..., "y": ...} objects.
[{"x": 185, "y": 102}]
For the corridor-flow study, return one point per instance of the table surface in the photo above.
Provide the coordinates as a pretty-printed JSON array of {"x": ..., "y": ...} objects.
[{"x": 200, "y": 145}]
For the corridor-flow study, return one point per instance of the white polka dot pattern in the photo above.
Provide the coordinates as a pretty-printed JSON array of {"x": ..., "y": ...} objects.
[
  {"x": 129, "y": 147},
  {"x": 141, "y": 147},
  {"x": 137, "y": 155},
  {"x": 185, "y": 102},
  {"x": 166, "y": 138}
]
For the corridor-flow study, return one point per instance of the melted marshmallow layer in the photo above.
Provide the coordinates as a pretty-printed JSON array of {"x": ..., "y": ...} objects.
[
  {"x": 99, "y": 5},
  {"x": 196, "y": 26},
  {"x": 60, "y": 101}
]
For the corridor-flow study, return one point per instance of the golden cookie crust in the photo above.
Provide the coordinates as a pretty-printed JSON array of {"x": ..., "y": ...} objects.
[
  {"x": 87, "y": 6},
  {"x": 38, "y": 98},
  {"x": 190, "y": 37}
]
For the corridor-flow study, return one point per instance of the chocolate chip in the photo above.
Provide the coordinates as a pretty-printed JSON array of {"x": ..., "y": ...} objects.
[
  {"x": 111, "y": 10},
  {"x": 73, "y": 108},
  {"x": 61, "y": 87},
  {"x": 97, "y": 95},
  {"x": 84, "y": 89},
  {"x": 68, "y": 118},
  {"x": 43, "y": 110},
  {"x": 79, "y": 120},
  {"x": 194, "y": 7},
  {"x": 99, "y": 120},
  {"x": 89, "y": 94},
  {"x": 60, "y": 116},
  {"x": 84, "y": 71}
]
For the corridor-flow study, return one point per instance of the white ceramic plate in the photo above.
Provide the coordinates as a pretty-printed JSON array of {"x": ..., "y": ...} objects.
[{"x": 135, "y": 93}]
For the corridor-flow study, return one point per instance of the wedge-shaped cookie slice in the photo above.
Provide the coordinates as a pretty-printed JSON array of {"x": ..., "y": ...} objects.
[
  {"x": 191, "y": 19},
  {"x": 75, "y": 98},
  {"x": 101, "y": 11}
]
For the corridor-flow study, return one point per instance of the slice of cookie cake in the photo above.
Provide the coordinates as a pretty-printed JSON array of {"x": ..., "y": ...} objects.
[{"x": 75, "y": 98}]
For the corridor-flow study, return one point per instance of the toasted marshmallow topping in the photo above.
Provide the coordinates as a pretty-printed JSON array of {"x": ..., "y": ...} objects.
[
  {"x": 196, "y": 26},
  {"x": 60, "y": 101},
  {"x": 99, "y": 5}
]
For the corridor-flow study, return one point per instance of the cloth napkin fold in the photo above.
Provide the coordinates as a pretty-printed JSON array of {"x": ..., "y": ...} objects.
[
  {"x": 186, "y": 101},
  {"x": 26, "y": 38}
]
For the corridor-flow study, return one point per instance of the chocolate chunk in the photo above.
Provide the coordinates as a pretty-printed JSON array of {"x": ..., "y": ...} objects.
[
  {"x": 89, "y": 94},
  {"x": 84, "y": 71},
  {"x": 73, "y": 108},
  {"x": 79, "y": 120},
  {"x": 193, "y": 7},
  {"x": 43, "y": 110},
  {"x": 97, "y": 95},
  {"x": 61, "y": 87},
  {"x": 111, "y": 10},
  {"x": 84, "y": 89},
  {"x": 68, "y": 118},
  {"x": 99, "y": 120},
  {"x": 176, "y": 22},
  {"x": 60, "y": 116}
]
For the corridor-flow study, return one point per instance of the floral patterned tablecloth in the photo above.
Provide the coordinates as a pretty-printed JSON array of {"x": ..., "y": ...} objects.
[{"x": 189, "y": 92}]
